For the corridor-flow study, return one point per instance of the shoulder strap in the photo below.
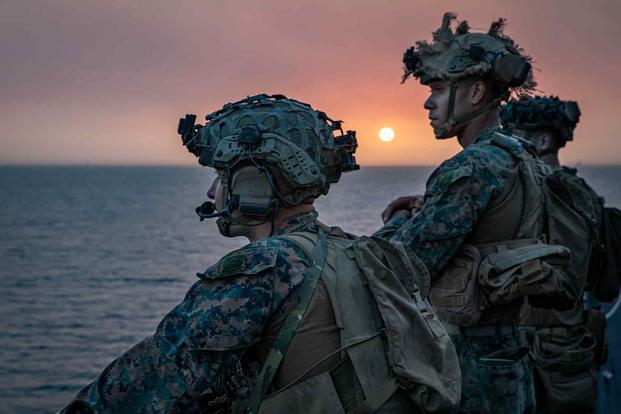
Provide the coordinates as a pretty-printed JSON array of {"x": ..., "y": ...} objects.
[
  {"x": 292, "y": 322},
  {"x": 305, "y": 240}
]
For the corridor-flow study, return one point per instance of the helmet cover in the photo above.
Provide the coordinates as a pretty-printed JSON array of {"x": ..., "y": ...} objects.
[
  {"x": 542, "y": 112},
  {"x": 292, "y": 137},
  {"x": 458, "y": 54}
]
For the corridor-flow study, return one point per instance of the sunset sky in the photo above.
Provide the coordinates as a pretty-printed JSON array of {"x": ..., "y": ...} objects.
[{"x": 104, "y": 82}]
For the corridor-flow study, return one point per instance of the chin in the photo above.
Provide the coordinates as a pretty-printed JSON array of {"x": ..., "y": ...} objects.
[
  {"x": 231, "y": 229},
  {"x": 441, "y": 133},
  {"x": 224, "y": 227}
]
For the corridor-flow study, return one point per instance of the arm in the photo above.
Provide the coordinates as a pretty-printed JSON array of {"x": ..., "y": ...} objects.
[
  {"x": 398, "y": 219},
  {"x": 458, "y": 192},
  {"x": 198, "y": 343}
]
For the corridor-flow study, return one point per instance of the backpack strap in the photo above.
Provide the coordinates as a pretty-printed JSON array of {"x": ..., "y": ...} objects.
[{"x": 291, "y": 323}]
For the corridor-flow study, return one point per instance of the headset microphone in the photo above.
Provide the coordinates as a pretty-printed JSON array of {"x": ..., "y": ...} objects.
[{"x": 208, "y": 209}]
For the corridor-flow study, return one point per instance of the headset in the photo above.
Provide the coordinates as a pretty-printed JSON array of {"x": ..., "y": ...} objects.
[{"x": 252, "y": 191}]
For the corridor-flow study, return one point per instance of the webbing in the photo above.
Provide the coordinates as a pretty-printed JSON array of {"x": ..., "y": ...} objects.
[{"x": 291, "y": 323}]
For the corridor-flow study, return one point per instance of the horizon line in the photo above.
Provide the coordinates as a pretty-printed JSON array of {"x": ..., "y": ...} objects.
[{"x": 145, "y": 165}]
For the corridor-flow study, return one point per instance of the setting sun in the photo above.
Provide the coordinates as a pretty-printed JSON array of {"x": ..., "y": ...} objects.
[{"x": 386, "y": 134}]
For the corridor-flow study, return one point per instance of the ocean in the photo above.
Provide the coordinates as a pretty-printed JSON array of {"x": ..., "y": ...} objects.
[{"x": 91, "y": 258}]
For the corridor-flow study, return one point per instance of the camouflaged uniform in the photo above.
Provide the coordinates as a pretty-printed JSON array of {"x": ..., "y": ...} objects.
[
  {"x": 479, "y": 205},
  {"x": 208, "y": 352},
  {"x": 204, "y": 339},
  {"x": 457, "y": 195},
  {"x": 310, "y": 318}
]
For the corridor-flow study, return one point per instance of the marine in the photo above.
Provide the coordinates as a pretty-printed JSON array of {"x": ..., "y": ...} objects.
[
  {"x": 290, "y": 322},
  {"x": 567, "y": 346},
  {"x": 479, "y": 228}
]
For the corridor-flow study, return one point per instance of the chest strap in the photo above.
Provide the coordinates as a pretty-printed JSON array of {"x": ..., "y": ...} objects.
[
  {"x": 291, "y": 323},
  {"x": 491, "y": 330}
]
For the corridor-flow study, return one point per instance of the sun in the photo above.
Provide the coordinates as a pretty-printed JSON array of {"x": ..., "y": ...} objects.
[{"x": 386, "y": 134}]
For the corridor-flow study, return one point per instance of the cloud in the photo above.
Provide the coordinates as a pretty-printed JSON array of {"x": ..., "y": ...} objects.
[{"x": 116, "y": 73}]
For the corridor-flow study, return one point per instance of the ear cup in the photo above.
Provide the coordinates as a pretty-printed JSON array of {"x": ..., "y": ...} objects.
[{"x": 256, "y": 195}]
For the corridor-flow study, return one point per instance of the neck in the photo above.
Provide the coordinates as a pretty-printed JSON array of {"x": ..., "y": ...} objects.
[
  {"x": 552, "y": 160},
  {"x": 267, "y": 229},
  {"x": 487, "y": 120}
]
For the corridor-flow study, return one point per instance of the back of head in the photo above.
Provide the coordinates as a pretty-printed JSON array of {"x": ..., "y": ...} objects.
[{"x": 542, "y": 112}]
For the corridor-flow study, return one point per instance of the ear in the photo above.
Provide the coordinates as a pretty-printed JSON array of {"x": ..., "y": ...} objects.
[
  {"x": 544, "y": 141},
  {"x": 477, "y": 92}
]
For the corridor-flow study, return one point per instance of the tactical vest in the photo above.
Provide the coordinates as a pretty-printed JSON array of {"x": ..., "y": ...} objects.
[
  {"x": 575, "y": 211},
  {"x": 507, "y": 257},
  {"x": 394, "y": 351},
  {"x": 566, "y": 346}
]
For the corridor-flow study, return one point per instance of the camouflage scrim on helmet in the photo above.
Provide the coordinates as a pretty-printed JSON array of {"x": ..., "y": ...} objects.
[
  {"x": 297, "y": 140},
  {"x": 542, "y": 112},
  {"x": 457, "y": 54}
]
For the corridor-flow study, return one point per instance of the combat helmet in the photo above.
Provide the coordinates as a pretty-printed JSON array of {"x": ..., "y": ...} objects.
[
  {"x": 542, "y": 112},
  {"x": 293, "y": 146},
  {"x": 459, "y": 54}
]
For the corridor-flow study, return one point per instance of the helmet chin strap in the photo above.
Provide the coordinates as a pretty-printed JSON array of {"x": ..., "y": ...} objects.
[{"x": 447, "y": 130}]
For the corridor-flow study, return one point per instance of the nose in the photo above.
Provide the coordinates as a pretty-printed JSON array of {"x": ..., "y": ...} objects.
[
  {"x": 211, "y": 193},
  {"x": 429, "y": 104}
]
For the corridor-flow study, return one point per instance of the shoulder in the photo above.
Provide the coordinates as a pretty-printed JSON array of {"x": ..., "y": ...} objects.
[
  {"x": 255, "y": 258},
  {"x": 233, "y": 300},
  {"x": 478, "y": 164},
  {"x": 494, "y": 152}
]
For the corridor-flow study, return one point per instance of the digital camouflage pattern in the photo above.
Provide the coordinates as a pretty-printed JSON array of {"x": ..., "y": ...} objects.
[
  {"x": 495, "y": 375},
  {"x": 542, "y": 112},
  {"x": 457, "y": 194},
  {"x": 201, "y": 344}
]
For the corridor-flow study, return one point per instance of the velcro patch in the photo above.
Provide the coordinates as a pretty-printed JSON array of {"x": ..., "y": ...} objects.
[
  {"x": 445, "y": 179},
  {"x": 247, "y": 261}
]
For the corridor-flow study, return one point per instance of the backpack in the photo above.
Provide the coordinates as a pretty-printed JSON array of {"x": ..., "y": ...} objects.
[
  {"x": 600, "y": 251},
  {"x": 389, "y": 331}
]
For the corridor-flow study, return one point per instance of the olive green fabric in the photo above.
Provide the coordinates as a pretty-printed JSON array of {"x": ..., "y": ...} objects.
[
  {"x": 575, "y": 221},
  {"x": 526, "y": 271},
  {"x": 458, "y": 54},
  {"x": 483, "y": 276},
  {"x": 389, "y": 334},
  {"x": 291, "y": 323},
  {"x": 564, "y": 364},
  {"x": 542, "y": 112}
]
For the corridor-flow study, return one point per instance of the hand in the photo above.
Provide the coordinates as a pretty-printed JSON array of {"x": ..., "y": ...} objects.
[{"x": 411, "y": 203}]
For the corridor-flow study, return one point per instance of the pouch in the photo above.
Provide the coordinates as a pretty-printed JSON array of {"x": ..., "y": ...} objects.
[
  {"x": 501, "y": 377},
  {"x": 595, "y": 322},
  {"x": 565, "y": 370},
  {"x": 534, "y": 270},
  {"x": 455, "y": 293}
]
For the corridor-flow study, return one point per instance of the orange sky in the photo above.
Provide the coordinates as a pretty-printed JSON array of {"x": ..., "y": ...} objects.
[{"x": 105, "y": 82}]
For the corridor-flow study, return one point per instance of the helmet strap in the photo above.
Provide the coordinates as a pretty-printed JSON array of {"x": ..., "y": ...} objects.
[{"x": 447, "y": 129}]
